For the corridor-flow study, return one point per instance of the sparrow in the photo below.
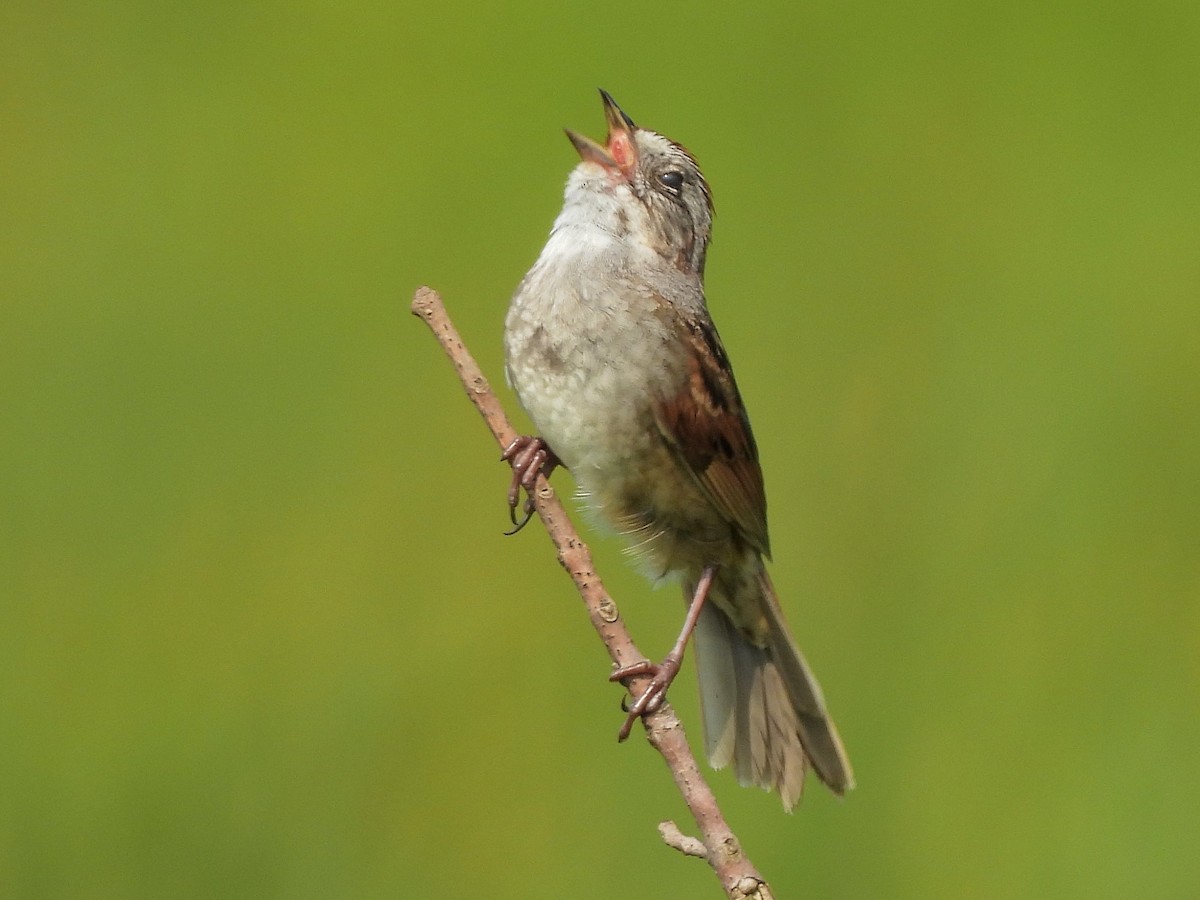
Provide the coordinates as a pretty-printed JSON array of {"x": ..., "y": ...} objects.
[{"x": 612, "y": 352}]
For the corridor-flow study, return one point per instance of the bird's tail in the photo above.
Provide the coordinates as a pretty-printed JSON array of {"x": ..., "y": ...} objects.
[{"x": 763, "y": 709}]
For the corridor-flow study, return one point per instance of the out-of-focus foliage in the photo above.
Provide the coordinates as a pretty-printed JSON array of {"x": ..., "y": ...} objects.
[{"x": 260, "y": 633}]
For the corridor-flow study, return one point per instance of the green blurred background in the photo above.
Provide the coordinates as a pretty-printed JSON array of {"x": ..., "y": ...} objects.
[{"x": 260, "y": 632}]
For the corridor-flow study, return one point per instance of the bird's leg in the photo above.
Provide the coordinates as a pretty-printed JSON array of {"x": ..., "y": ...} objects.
[
  {"x": 530, "y": 456},
  {"x": 664, "y": 673}
]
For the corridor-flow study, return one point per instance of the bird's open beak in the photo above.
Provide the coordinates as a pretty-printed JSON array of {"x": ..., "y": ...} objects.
[{"x": 620, "y": 151}]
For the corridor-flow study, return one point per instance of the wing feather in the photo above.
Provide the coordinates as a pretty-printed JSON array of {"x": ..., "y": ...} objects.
[{"x": 706, "y": 425}]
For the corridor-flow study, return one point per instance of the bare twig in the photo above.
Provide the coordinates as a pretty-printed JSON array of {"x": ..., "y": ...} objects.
[
  {"x": 684, "y": 843},
  {"x": 720, "y": 846}
]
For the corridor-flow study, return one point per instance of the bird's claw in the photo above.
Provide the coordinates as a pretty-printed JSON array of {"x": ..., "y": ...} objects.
[
  {"x": 652, "y": 698},
  {"x": 529, "y": 456}
]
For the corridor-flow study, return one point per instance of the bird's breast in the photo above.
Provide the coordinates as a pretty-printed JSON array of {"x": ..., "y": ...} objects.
[{"x": 587, "y": 367}]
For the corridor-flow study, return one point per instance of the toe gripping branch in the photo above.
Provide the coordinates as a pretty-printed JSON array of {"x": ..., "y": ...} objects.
[
  {"x": 664, "y": 673},
  {"x": 529, "y": 456}
]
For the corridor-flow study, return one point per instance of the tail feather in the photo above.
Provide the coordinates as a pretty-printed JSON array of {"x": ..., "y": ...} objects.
[{"x": 762, "y": 708}]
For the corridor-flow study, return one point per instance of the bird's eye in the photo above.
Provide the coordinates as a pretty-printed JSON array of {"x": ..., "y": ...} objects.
[{"x": 672, "y": 178}]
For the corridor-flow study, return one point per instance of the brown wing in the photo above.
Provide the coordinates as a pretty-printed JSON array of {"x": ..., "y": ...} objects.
[{"x": 706, "y": 425}]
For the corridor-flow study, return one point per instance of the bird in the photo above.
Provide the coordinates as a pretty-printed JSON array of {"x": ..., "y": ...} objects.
[{"x": 612, "y": 352}]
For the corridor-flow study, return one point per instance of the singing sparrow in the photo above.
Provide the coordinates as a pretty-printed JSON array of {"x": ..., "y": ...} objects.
[{"x": 612, "y": 352}]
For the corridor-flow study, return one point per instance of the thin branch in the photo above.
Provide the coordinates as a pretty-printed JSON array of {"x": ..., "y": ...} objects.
[
  {"x": 721, "y": 847},
  {"x": 684, "y": 843}
]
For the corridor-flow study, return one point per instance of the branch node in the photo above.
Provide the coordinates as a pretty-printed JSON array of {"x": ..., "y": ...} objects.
[
  {"x": 752, "y": 887},
  {"x": 607, "y": 609}
]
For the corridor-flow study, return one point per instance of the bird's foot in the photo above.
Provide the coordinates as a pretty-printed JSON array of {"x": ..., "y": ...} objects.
[
  {"x": 529, "y": 456},
  {"x": 651, "y": 699}
]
